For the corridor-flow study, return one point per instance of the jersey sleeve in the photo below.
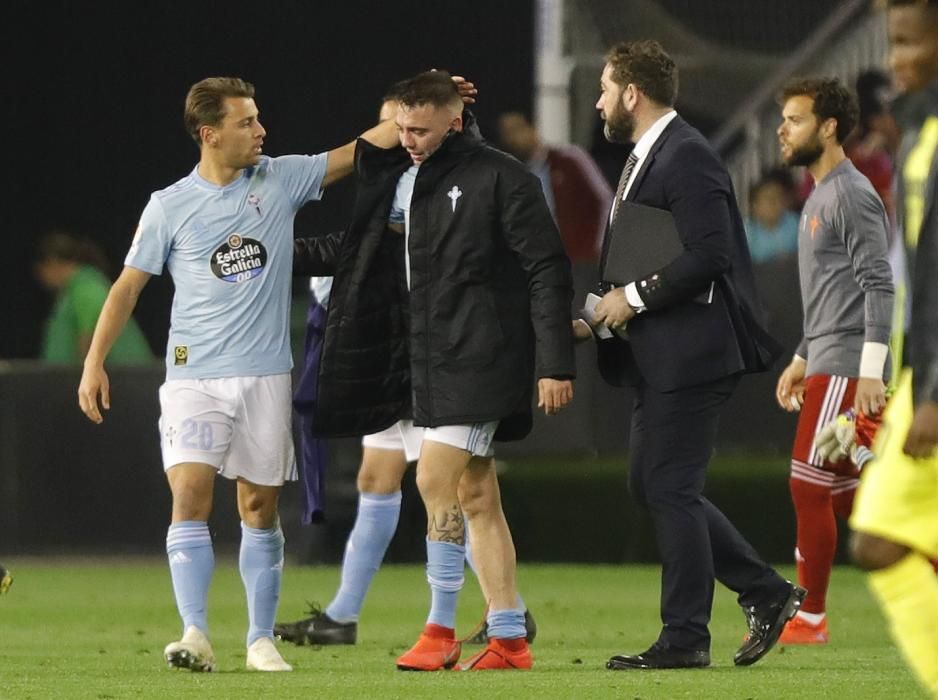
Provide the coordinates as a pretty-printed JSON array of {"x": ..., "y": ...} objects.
[
  {"x": 866, "y": 237},
  {"x": 152, "y": 241},
  {"x": 301, "y": 176}
]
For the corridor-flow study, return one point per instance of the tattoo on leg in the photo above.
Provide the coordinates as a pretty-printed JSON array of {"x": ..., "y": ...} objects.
[{"x": 451, "y": 528}]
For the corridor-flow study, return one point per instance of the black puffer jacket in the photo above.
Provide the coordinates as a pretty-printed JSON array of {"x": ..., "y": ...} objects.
[{"x": 490, "y": 283}]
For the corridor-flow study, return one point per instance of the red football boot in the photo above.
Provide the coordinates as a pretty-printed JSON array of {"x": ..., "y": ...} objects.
[
  {"x": 800, "y": 631},
  {"x": 501, "y": 655},
  {"x": 436, "y": 649}
]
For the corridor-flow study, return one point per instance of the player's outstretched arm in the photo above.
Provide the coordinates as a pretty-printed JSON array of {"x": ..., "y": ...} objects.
[
  {"x": 120, "y": 303},
  {"x": 341, "y": 160}
]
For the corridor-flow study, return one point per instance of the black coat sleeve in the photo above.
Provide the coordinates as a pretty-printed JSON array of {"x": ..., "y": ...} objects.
[
  {"x": 530, "y": 232},
  {"x": 697, "y": 195},
  {"x": 317, "y": 256}
]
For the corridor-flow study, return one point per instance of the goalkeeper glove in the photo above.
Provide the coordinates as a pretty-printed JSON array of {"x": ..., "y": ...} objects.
[
  {"x": 837, "y": 439},
  {"x": 848, "y": 435}
]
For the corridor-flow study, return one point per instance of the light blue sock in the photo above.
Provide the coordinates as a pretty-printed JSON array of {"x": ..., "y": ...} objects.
[
  {"x": 191, "y": 563},
  {"x": 375, "y": 525},
  {"x": 445, "y": 566},
  {"x": 261, "y": 563},
  {"x": 472, "y": 565},
  {"x": 506, "y": 624}
]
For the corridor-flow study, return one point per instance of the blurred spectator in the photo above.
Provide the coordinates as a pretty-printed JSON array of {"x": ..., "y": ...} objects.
[
  {"x": 576, "y": 191},
  {"x": 872, "y": 146},
  {"x": 772, "y": 227},
  {"x": 74, "y": 270}
]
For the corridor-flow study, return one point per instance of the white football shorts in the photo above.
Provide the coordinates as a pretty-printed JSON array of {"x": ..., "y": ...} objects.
[
  {"x": 404, "y": 435},
  {"x": 242, "y": 426}
]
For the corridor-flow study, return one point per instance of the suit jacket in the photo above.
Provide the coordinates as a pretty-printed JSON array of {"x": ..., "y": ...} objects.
[{"x": 678, "y": 342}]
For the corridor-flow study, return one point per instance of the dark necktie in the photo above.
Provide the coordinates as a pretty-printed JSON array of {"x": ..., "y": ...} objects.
[
  {"x": 620, "y": 190},
  {"x": 623, "y": 182}
]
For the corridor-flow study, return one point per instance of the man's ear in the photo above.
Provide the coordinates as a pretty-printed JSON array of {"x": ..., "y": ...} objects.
[
  {"x": 630, "y": 96},
  {"x": 456, "y": 124},
  {"x": 208, "y": 135}
]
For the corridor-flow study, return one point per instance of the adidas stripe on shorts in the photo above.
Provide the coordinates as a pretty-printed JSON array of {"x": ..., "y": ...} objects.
[{"x": 475, "y": 438}]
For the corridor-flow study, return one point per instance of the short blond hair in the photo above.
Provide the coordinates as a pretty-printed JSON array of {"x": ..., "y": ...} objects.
[{"x": 205, "y": 102}]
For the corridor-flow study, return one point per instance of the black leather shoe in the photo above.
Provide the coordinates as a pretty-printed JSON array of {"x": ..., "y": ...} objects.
[
  {"x": 766, "y": 624},
  {"x": 318, "y": 628},
  {"x": 660, "y": 656}
]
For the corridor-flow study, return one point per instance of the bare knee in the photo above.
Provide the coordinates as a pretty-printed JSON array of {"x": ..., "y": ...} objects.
[
  {"x": 431, "y": 484},
  {"x": 478, "y": 491},
  {"x": 871, "y": 553},
  {"x": 439, "y": 470},
  {"x": 192, "y": 486},
  {"x": 381, "y": 471},
  {"x": 257, "y": 505}
]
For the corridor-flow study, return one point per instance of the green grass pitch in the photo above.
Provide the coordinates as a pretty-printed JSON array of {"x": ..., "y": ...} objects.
[{"x": 96, "y": 629}]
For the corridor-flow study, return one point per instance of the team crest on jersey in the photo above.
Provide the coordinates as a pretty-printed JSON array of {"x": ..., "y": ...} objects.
[
  {"x": 239, "y": 259},
  {"x": 181, "y": 356},
  {"x": 255, "y": 201}
]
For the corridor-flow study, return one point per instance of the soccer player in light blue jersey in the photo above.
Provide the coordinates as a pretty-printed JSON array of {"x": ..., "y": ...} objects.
[{"x": 225, "y": 233}]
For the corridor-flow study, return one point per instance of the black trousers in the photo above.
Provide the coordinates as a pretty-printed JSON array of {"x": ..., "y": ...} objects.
[{"x": 672, "y": 439}]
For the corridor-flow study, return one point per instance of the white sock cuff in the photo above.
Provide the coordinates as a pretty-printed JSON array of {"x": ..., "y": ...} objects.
[
  {"x": 271, "y": 537},
  {"x": 380, "y": 500},
  {"x": 450, "y": 586},
  {"x": 189, "y": 533}
]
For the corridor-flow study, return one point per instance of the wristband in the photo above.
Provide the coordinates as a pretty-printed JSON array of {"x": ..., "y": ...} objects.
[{"x": 873, "y": 360}]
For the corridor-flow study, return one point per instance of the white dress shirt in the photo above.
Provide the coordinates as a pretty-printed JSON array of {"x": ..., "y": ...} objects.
[{"x": 642, "y": 148}]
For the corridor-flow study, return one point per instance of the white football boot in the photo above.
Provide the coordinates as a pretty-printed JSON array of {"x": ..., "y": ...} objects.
[
  {"x": 193, "y": 651},
  {"x": 263, "y": 656}
]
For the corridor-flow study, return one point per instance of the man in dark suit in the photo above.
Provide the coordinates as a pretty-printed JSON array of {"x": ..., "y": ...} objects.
[{"x": 691, "y": 333}]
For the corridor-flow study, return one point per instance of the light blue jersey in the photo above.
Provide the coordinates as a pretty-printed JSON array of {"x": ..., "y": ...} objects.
[
  {"x": 400, "y": 205},
  {"x": 229, "y": 251},
  {"x": 400, "y": 210}
]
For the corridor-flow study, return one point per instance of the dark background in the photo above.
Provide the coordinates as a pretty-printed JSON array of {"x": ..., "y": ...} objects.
[
  {"x": 98, "y": 92},
  {"x": 96, "y": 126}
]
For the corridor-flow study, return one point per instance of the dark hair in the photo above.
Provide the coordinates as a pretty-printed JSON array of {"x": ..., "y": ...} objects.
[
  {"x": 394, "y": 92},
  {"x": 435, "y": 88},
  {"x": 832, "y": 100},
  {"x": 648, "y": 66},
  {"x": 61, "y": 245},
  {"x": 205, "y": 102}
]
